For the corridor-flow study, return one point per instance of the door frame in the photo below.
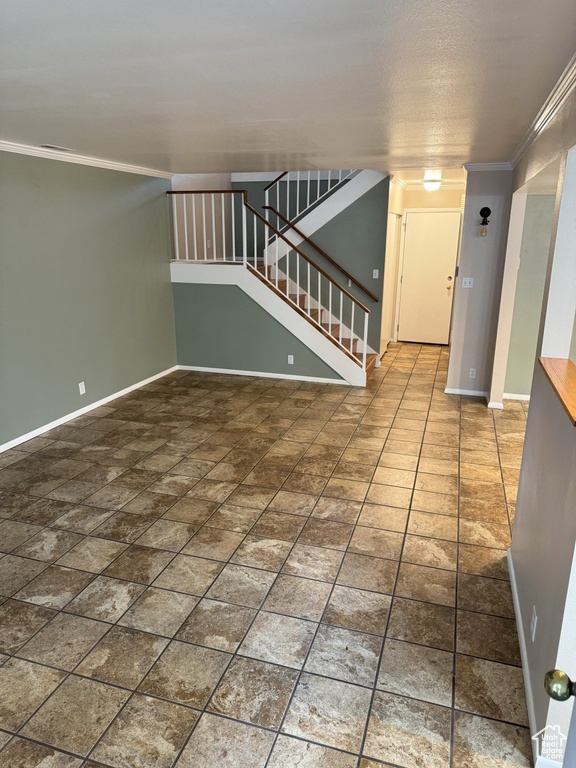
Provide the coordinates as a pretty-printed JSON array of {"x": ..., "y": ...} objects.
[{"x": 401, "y": 262}]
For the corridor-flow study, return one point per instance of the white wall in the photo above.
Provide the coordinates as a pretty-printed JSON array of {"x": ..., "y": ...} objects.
[
  {"x": 391, "y": 263},
  {"x": 542, "y": 549},
  {"x": 475, "y": 316}
]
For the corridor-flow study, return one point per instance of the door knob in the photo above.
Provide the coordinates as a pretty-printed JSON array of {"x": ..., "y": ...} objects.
[
  {"x": 558, "y": 685},
  {"x": 449, "y": 287}
]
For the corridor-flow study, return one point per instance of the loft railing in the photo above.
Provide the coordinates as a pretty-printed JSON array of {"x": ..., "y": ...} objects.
[
  {"x": 221, "y": 227},
  {"x": 293, "y": 193}
]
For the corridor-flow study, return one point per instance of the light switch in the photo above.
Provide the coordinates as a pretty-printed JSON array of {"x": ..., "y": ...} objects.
[
  {"x": 467, "y": 282},
  {"x": 375, "y": 273}
]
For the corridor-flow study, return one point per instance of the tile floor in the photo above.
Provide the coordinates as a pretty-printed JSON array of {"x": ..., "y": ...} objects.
[{"x": 219, "y": 571}]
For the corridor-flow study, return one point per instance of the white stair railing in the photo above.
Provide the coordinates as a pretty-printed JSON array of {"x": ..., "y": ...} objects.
[
  {"x": 293, "y": 193},
  {"x": 220, "y": 227}
]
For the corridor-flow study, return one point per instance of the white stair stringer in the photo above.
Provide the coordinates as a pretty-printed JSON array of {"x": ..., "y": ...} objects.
[
  {"x": 325, "y": 211},
  {"x": 258, "y": 291}
]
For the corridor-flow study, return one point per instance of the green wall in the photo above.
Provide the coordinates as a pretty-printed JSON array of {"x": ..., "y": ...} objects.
[
  {"x": 529, "y": 293},
  {"x": 85, "y": 287},
  {"x": 219, "y": 326}
]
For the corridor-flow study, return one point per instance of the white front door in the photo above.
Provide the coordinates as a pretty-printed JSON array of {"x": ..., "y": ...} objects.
[{"x": 428, "y": 276}]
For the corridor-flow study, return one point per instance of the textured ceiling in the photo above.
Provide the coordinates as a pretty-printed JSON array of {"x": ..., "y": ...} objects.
[{"x": 248, "y": 85}]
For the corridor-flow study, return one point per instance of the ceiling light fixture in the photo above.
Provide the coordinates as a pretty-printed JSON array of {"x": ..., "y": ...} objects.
[{"x": 432, "y": 180}]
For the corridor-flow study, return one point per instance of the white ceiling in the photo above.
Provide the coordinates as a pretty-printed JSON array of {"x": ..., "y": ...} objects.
[{"x": 250, "y": 85}]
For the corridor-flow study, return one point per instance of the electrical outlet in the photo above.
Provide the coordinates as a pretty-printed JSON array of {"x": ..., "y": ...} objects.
[
  {"x": 533, "y": 623},
  {"x": 82, "y": 388},
  {"x": 208, "y": 243},
  {"x": 472, "y": 373},
  {"x": 375, "y": 273},
  {"x": 467, "y": 282},
  {"x": 290, "y": 359},
  {"x": 349, "y": 283}
]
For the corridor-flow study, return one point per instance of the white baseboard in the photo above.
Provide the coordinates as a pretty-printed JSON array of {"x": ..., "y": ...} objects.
[
  {"x": 493, "y": 404},
  {"x": 262, "y": 375},
  {"x": 509, "y": 396},
  {"x": 539, "y": 762},
  {"x": 82, "y": 411},
  {"x": 466, "y": 392}
]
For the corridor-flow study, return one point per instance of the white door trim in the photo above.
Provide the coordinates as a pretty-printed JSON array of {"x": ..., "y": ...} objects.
[
  {"x": 509, "y": 280},
  {"x": 401, "y": 261}
]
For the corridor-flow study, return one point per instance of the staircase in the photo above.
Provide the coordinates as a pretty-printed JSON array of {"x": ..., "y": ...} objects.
[{"x": 221, "y": 229}]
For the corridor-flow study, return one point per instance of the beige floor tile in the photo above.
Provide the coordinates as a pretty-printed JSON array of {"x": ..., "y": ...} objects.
[
  {"x": 299, "y": 597},
  {"x": 408, "y": 732},
  {"x": 221, "y": 743},
  {"x": 358, "y": 609},
  {"x": 488, "y": 637},
  {"x": 242, "y": 586},
  {"x": 29, "y": 755},
  {"x": 217, "y": 625},
  {"x": 140, "y": 564},
  {"x": 122, "y": 657},
  {"x": 387, "y": 518},
  {"x": 294, "y": 753},
  {"x": 278, "y": 639},
  {"x": 313, "y": 562},
  {"x": 345, "y": 655},
  {"x": 490, "y": 689},
  {"x": 482, "y": 743},
  {"x": 328, "y": 712},
  {"x": 185, "y": 674},
  {"x": 64, "y": 641},
  {"x": 365, "y": 572},
  {"x": 147, "y": 731},
  {"x": 76, "y": 715},
  {"x": 422, "y": 623},
  {"x": 254, "y": 691},
  {"x": 105, "y": 599},
  {"x": 92, "y": 554},
  {"x": 192, "y": 575},
  {"x": 24, "y": 687},
  {"x": 159, "y": 611},
  {"x": 432, "y": 585},
  {"x": 417, "y": 672}
]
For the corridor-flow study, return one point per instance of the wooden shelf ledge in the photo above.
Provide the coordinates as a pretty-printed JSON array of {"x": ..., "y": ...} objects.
[{"x": 561, "y": 373}]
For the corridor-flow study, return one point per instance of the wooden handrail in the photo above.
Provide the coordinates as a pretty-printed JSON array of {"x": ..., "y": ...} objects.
[
  {"x": 275, "y": 181},
  {"x": 276, "y": 232},
  {"x": 206, "y": 192},
  {"x": 303, "y": 255},
  {"x": 320, "y": 251}
]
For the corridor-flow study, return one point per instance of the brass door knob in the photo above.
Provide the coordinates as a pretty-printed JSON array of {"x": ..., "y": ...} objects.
[
  {"x": 448, "y": 287},
  {"x": 558, "y": 685}
]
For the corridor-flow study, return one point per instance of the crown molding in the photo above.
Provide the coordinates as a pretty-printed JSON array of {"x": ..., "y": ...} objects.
[
  {"x": 394, "y": 179},
  {"x": 489, "y": 166},
  {"x": 50, "y": 154},
  {"x": 550, "y": 108}
]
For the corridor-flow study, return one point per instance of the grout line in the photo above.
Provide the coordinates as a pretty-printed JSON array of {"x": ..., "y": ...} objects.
[{"x": 379, "y": 664}]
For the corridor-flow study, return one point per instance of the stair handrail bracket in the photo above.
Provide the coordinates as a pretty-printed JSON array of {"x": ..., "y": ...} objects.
[{"x": 221, "y": 227}]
